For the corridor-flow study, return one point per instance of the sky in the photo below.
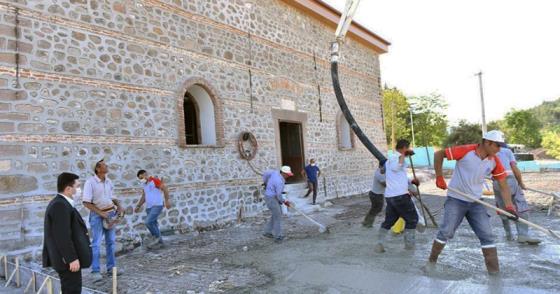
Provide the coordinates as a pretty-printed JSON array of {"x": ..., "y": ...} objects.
[{"x": 439, "y": 45}]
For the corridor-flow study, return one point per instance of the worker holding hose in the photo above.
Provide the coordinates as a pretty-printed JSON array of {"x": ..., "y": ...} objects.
[{"x": 474, "y": 163}]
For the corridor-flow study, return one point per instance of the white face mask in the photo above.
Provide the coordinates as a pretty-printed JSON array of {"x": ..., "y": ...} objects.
[
  {"x": 143, "y": 181},
  {"x": 313, "y": 164},
  {"x": 78, "y": 192}
]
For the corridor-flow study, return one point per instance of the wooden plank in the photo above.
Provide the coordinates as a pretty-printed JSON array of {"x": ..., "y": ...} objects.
[
  {"x": 18, "y": 275},
  {"x": 5, "y": 257},
  {"x": 114, "y": 280}
]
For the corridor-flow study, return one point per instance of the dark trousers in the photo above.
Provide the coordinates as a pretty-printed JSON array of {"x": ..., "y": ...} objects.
[
  {"x": 400, "y": 206},
  {"x": 376, "y": 207},
  {"x": 312, "y": 186},
  {"x": 71, "y": 282}
]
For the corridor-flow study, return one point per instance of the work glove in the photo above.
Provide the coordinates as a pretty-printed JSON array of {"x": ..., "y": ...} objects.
[
  {"x": 511, "y": 209},
  {"x": 287, "y": 203},
  {"x": 440, "y": 183},
  {"x": 409, "y": 152},
  {"x": 416, "y": 182}
]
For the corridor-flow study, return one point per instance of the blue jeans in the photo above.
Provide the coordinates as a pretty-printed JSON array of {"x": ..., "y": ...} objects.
[
  {"x": 477, "y": 216},
  {"x": 151, "y": 223},
  {"x": 97, "y": 231}
]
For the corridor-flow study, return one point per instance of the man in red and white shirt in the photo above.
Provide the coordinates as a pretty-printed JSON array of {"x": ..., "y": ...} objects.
[
  {"x": 474, "y": 163},
  {"x": 155, "y": 195}
]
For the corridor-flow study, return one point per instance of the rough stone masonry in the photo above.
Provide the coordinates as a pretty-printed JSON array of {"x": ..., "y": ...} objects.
[{"x": 82, "y": 80}]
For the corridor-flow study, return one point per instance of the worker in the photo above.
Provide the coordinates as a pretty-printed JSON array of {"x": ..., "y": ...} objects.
[
  {"x": 516, "y": 186},
  {"x": 474, "y": 163},
  {"x": 312, "y": 172},
  {"x": 398, "y": 198},
  {"x": 376, "y": 197},
  {"x": 274, "y": 181}
]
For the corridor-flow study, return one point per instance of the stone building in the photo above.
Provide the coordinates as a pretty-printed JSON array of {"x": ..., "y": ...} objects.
[{"x": 168, "y": 86}]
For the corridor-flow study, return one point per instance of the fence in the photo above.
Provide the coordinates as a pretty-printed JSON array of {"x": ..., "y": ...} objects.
[{"x": 18, "y": 275}]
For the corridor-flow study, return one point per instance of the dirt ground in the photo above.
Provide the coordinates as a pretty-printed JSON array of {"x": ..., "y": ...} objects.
[{"x": 237, "y": 259}]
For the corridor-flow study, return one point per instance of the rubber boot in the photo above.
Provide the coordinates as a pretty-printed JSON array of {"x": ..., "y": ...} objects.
[
  {"x": 409, "y": 239},
  {"x": 437, "y": 247},
  {"x": 507, "y": 228},
  {"x": 491, "y": 260},
  {"x": 381, "y": 236},
  {"x": 523, "y": 232}
]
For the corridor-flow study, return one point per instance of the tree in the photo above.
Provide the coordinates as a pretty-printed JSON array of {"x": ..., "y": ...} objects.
[
  {"x": 430, "y": 120},
  {"x": 522, "y": 127},
  {"x": 548, "y": 113},
  {"x": 495, "y": 125},
  {"x": 395, "y": 105},
  {"x": 551, "y": 142},
  {"x": 464, "y": 133}
]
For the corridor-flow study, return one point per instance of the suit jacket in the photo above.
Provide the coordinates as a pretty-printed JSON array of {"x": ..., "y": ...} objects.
[{"x": 66, "y": 236}]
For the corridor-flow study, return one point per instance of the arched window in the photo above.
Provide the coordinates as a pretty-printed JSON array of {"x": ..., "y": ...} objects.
[
  {"x": 345, "y": 134},
  {"x": 199, "y": 116}
]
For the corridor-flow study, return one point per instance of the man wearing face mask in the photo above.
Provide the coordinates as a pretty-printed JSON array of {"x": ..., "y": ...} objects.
[
  {"x": 313, "y": 173},
  {"x": 66, "y": 246},
  {"x": 98, "y": 198},
  {"x": 155, "y": 195}
]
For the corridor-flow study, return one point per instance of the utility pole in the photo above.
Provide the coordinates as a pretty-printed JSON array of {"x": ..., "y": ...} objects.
[
  {"x": 412, "y": 126},
  {"x": 393, "y": 142},
  {"x": 479, "y": 74}
]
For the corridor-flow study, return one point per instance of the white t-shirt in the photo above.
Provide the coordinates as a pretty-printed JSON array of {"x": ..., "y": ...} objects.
[{"x": 396, "y": 177}]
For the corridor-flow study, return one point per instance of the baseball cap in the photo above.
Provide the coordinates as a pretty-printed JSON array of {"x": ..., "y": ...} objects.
[
  {"x": 287, "y": 170},
  {"x": 495, "y": 136}
]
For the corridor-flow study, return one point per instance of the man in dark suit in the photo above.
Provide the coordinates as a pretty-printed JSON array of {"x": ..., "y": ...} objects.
[{"x": 66, "y": 246}]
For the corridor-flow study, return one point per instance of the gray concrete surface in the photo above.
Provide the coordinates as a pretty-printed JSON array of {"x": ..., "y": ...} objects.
[{"x": 238, "y": 259}]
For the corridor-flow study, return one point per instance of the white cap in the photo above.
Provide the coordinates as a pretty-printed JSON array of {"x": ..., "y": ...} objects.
[
  {"x": 495, "y": 136},
  {"x": 287, "y": 170}
]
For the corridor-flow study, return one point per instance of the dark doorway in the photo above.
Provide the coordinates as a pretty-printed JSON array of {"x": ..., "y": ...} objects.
[
  {"x": 191, "y": 120},
  {"x": 291, "y": 144}
]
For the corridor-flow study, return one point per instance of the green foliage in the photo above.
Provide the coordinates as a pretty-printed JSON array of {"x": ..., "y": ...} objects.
[
  {"x": 395, "y": 103},
  {"x": 430, "y": 119},
  {"x": 522, "y": 127},
  {"x": 495, "y": 125},
  {"x": 464, "y": 133},
  {"x": 548, "y": 113},
  {"x": 551, "y": 142}
]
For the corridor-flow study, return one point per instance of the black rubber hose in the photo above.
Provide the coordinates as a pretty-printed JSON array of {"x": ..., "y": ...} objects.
[{"x": 351, "y": 121}]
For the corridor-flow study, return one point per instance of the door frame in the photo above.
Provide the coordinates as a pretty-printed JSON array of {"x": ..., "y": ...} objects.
[{"x": 281, "y": 115}]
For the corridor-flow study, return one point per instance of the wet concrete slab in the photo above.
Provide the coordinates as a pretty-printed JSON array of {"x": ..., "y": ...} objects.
[{"x": 238, "y": 259}]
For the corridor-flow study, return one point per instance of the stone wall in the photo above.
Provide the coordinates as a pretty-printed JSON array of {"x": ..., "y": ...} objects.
[{"x": 102, "y": 79}]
